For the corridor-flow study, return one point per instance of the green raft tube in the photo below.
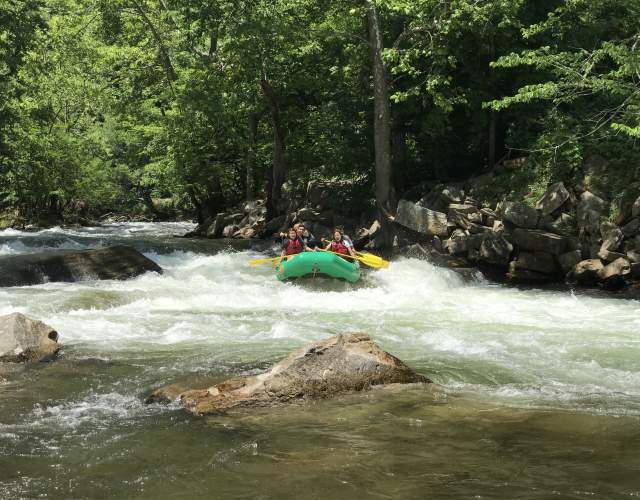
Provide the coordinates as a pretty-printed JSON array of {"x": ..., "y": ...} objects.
[{"x": 318, "y": 264}]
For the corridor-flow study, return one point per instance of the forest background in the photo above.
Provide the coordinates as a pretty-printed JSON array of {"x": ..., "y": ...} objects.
[{"x": 113, "y": 105}]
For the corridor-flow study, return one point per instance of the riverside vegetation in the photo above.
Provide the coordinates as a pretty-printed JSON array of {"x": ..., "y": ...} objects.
[{"x": 166, "y": 108}]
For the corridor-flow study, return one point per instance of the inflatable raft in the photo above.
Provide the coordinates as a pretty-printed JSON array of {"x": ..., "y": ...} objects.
[{"x": 318, "y": 264}]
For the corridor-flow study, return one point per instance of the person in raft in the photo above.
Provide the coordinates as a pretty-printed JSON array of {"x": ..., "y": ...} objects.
[
  {"x": 338, "y": 244},
  {"x": 292, "y": 244}
]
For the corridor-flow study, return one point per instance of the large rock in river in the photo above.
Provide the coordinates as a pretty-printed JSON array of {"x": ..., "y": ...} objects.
[
  {"x": 26, "y": 339},
  {"x": 117, "y": 262},
  {"x": 421, "y": 220},
  {"x": 333, "y": 366}
]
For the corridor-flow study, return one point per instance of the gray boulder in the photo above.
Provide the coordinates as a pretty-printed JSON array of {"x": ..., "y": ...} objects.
[
  {"x": 25, "y": 339},
  {"x": 215, "y": 227},
  {"x": 463, "y": 243},
  {"x": 421, "y": 220},
  {"x": 633, "y": 255},
  {"x": 540, "y": 262},
  {"x": 229, "y": 230},
  {"x": 554, "y": 197},
  {"x": 495, "y": 249},
  {"x": 117, "y": 263},
  {"x": 612, "y": 236},
  {"x": 586, "y": 271},
  {"x": 590, "y": 213},
  {"x": 539, "y": 241},
  {"x": 330, "y": 367},
  {"x": 564, "y": 224},
  {"x": 518, "y": 214},
  {"x": 568, "y": 260},
  {"x": 612, "y": 275},
  {"x": 440, "y": 197}
]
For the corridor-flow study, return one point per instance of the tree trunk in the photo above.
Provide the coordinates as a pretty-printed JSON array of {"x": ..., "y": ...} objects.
[
  {"x": 279, "y": 174},
  {"x": 381, "y": 122},
  {"x": 493, "y": 119},
  {"x": 251, "y": 155}
]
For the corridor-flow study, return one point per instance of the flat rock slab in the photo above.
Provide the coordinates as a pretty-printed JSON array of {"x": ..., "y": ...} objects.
[
  {"x": 116, "y": 262},
  {"x": 336, "y": 365},
  {"x": 25, "y": 339}
]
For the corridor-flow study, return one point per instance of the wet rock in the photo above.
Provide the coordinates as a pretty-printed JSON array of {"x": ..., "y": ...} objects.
[
  {"x": 421, "y": 220},
  {"x": 495, "y": 249},
  {"x": 245, "y": 233},
  {"x": 539, "y": 241},
  {"x": 117, "y": 262},
  {"x": 554, "y": 197},
  {"x": 540, "y": 262},
  {"x": 165, "y": 395},
  {"x": 333, "y": 366},
  {"x": 519, "y": 275},
  {"x": 635, "y": 270},
  {"x": 568, "y": 260},
  {"x": 612, "y": 275},
  {"x": 519, "y": 214},
  {"x": 608, "y": 256},
  {"x": 586, "y": 271},
  {"x": 25, "y": 339}
]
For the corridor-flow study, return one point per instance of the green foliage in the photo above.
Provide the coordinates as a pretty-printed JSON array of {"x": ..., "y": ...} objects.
[{"x": 109, "y": 103}]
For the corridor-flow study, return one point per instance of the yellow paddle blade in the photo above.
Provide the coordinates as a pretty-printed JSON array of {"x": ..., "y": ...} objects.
[
  {"x": 257, "y": 262},
  {"x": 373, "y": 260}
]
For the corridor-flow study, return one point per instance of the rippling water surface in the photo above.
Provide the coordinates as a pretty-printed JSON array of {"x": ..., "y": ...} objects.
[{"x": 540, "y": 396}]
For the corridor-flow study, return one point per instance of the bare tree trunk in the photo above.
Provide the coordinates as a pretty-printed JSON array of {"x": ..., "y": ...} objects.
[
  {"x": 381, "y": 121},
  {"x": 274, "y": 195},
  {"x": 251, "y": 154}
]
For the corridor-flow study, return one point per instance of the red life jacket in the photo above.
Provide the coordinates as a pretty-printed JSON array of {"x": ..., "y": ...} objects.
[
  {"x": 339, "y": 247},
  {"x": 294, "y": 246}
]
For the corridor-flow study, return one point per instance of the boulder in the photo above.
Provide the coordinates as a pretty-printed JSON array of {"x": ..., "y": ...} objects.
[
  {"x": 116, "y": 262},
  {"x": 215, "y": 227},
  {"x": 417, "y": 251},
  {"x": 568, "y": 260},
  {"x": 611, "y": 236},
  {"x": 564, "y": 224},
  {"x": 495, "y": 249},
  {"x": 586, "y": 271},
  {"x": 26, "y": 339},
  {"x": 488, "y": 216},
  {"x": 554, "y": 197},
  {"x": 318, "y": 194},
  {"x": 421, "y": 220},
  {"x": 229, "y": 230},
  {"x": 275, "y": 225},
  {"x": 635, "y": 271},
  {"x": 463, "y": 243},
  {"x": 518, "y": 214},
  {"x": 608, "y": 256},
  {"x": 540, "y": 262},
  {"x": 590, "y": 212},
  {"x": 631, "y": 228},
  {"x": 519, "y": 275},
  {"x": 245, "y": 233},
  {"x": 539, "y": 241},
  {"x": 480, "y": 182},
  {"x": 633, "y": 255},
  {"x": 612, "y": 275},
  {"x": 336, "y": 365},
  {"x": 440, "y": 197}
]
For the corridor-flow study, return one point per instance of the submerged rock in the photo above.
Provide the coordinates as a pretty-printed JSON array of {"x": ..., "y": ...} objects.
[
  {"x": 330, "y": 367},
  {"x": 25, "y": 339},
  {"x": 117, "y": 262}
]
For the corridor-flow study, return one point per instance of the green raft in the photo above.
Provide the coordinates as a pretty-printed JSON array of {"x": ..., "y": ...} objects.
[{"x": 318, "y": 264}]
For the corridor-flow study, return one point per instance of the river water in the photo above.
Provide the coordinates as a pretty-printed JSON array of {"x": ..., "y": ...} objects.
[{"x": 539, "y": 391}]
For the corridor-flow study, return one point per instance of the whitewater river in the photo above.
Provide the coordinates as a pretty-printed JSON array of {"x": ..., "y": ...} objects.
[{"x": 540, "y": 391}]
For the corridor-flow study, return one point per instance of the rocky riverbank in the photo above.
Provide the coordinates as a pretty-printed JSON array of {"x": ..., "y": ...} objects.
[{"x": 566, "y": 236}]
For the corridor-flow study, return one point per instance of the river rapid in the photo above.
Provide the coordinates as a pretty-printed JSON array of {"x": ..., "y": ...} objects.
[{"x": 539, "y": 396}]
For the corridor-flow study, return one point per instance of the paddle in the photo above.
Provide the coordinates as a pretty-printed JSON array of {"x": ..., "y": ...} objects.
[
  {"x": 375, "y": 262},
  {"x": 274, "y": 260}
]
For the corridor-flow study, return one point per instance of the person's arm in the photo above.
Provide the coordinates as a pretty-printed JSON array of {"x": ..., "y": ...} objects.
[
  {"x": 328, "y": 246},
  {"x": 351, "y": 251}
]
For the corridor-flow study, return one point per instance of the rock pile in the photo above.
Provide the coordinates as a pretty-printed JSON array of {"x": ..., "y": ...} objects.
[{"x": 565, "y": 235}]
